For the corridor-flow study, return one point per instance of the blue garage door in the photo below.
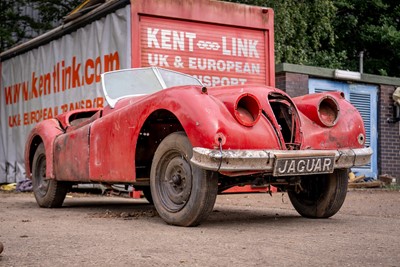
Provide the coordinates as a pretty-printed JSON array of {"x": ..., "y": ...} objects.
[{"x": 364, "y": 98}]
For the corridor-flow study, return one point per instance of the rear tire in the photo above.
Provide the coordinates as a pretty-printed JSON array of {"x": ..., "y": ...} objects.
[
  {"x": 183, "y": 194},
  {"x": 49, "y": 193},
  {"x": 322, "y": 195}
]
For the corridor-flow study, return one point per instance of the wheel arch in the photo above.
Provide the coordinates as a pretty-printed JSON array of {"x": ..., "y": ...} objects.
[
  {"x": 158, "y": 125},
  {"x": 44, "y": 132},
  {"x": 36, "y": 141}
]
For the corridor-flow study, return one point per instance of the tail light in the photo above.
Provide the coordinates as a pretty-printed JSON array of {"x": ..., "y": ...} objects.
[
  {"x": 323, "y": 109},
  {"x": 328, "y": 111},
  {"x": 247, "y": 110}
]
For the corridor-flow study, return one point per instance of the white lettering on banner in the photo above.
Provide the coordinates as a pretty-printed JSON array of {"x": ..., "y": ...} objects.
[
  {"x": 223, "y": 66},
  {"x": 219, "y": 81},
  {"x": 157, "y": 60},
  {"x": 176, "y": 40},
  {"x": 240, "y": 47},
  {"x": 170, "y": 40},
  {"x": 217, "y": 58}
]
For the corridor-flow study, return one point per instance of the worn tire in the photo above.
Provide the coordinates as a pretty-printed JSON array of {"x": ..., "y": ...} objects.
[
  {"x": 49, "y": 193},
  {"x": 183, "y": 194},
  {"x": 322, "y": 195},
  {"x": 147, "y": 194}
]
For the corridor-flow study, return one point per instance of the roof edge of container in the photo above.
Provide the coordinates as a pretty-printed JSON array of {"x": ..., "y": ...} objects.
[{"x": 95, "y": 14}]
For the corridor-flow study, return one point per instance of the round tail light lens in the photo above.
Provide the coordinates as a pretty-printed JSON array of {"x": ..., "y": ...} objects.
[
  {"x": 247, "y": 110},
  {"x": 328, "y": 111}
]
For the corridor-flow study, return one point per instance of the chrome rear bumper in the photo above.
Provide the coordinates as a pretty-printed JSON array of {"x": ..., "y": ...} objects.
[{"x": 264, "y": 160}]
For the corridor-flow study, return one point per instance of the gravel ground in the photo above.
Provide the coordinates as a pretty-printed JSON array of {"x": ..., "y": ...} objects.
[{"x": 243, "y": 230}]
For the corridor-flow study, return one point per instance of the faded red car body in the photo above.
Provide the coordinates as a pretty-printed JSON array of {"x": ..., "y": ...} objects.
[
  {"x": 108, "y": 133},
  {"x": 237, "y": 132}
]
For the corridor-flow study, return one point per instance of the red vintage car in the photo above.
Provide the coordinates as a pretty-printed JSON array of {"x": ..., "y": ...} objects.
[{"x": 182, "y": 143}]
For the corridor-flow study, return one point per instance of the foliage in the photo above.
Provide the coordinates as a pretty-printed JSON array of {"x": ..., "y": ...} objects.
[
  {"x": 371, "y": 26},
  {"x": 332, "y": 33},
  {"x": 21, "y": 20},
  {"x": 304, "y": 32},
  {"x": 12, "y": 23}
]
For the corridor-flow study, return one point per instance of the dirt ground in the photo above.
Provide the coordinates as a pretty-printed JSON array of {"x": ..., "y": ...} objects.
[{"x": 243, "y": 230}]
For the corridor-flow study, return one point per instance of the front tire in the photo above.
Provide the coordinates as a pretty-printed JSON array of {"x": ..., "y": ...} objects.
[
  {"x": 321, "y": 196},
  {"x": 147, "y": 194},
  {"x": 49, "y": 193},
  {"x": 183, "y": 194}
]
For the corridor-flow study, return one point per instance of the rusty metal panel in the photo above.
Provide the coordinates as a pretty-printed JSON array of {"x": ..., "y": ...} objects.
[
  {"x": 47, "y": 131},
  {"x": 112, "y": 146},
  {"x": 71, "y": 155}
]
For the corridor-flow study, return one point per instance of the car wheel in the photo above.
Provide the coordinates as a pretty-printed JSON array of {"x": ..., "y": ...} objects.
[
  {"x": 49, "y": 193},
  {"x": 147, "y": 194},
  {"x": 321, "y": 196},
  {"x": 183, "y": 194}
]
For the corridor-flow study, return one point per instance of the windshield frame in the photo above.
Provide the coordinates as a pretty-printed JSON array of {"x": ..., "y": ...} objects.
[{"x": 154, "y": 72}]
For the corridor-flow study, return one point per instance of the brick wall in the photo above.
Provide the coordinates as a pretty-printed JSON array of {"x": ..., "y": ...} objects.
[
  {"x": 389, "y": 135},
  {"x": 295, "y": 84}
]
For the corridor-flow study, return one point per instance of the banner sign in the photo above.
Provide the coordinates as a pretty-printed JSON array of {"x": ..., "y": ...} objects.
[
  {"x": 60, "y": 76},
  {"x": 215, "y": 54}
]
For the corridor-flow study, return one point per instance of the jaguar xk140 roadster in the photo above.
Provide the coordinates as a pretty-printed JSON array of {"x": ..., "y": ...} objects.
[{"x": 181, "y": 143}]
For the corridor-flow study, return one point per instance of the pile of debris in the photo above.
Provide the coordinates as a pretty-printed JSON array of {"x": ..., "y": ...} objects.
[
  {"x": 21, "y": 186},
  {"x": 368, "y": 182}
]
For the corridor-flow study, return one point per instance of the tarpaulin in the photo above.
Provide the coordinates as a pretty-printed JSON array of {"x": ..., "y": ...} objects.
[{"x": 60, "y": 76}]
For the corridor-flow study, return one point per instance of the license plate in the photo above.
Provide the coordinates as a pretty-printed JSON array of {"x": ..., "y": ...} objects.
[{"x": 303, "y": 166}]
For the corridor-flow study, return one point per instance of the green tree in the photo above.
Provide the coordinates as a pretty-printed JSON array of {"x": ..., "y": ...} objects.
[
  {"x": 304, "y": 33},
  {"x": 21, "y": 20},
  {"x": 332, "y": 33},
  {"x": 13, "y": 23},
  {"x": 373, "y": 27}
]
